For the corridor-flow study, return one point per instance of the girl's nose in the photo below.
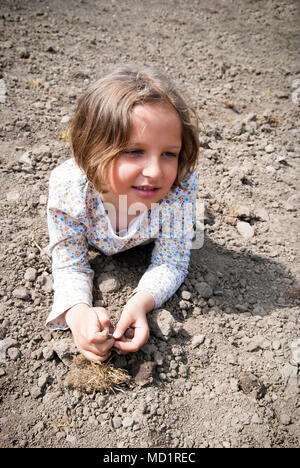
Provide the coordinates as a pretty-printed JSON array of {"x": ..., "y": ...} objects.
[{"x": 152, "y": 168}]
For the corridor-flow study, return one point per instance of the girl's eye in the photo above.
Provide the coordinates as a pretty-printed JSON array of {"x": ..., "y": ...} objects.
[
  {"x": 170, "y": 154},
  {"x": 133, "y": 151}
]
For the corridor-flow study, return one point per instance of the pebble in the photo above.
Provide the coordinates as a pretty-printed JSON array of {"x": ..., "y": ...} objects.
[
  {"x": 269, "y": 148},
  {"x": 295, "y": 350},
  {"x": 293, "y": 203},
  {"x": 204, "y": 289},
  {"x": 108, "y": 283},
  {"x": 4, "y": 346},
  {"x": 21, "y": 293},
  {"x": 48, "y": 353},
  {"x": 71, "y": 439},
  {"x": 197, "y": 340},
  {"x": 257, "y": 342},
  {"x": 30, "y": 274},
  {"x": 285, "y": 419},
  {"x": 162, "y": 323},
  {"x": 13, "y": 196},
  {"x": 65, "y": 350},
  {"x": 186, "y": 295},
  {"x": 43, "y": 380},
  {"x": 35, "y": 391},
  {"x": 116, "y": 422},
  {"x": 25, "y": 158},
  {"x": 2, "y": 92},
  {"x": 65, "y": 119},
  {"x": 245, "y": 229},
  {"x": 127, "y": 422},
  {"x": 261, "y": 214},
  {"x": 13, "y": 353}
]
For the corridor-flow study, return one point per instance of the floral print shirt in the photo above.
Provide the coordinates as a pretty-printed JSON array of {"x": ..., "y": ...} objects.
[{"x": 77, "y": 218}]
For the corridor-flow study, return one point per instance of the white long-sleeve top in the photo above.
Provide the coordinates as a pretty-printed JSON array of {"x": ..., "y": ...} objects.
[{"x": 77, "y": 217}]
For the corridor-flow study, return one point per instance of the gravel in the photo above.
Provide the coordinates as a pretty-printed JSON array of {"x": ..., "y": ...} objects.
[{"x": 221, "y": 367}]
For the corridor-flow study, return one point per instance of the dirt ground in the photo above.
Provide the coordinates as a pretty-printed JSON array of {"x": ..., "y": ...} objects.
[{"x": 224, "y": 364}]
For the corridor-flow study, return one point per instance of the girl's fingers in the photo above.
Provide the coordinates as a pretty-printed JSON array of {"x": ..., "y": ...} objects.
[
  {"x": 141, "y": 336},
  {"x": 95, "y": 357},
  {"x": 100, "y": 347},
  {"x": 121, "y": 328},
  {"x": 103, "y": 317}
]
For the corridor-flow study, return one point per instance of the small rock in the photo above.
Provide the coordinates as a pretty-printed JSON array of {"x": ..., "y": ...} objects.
[
  {"x": 197, "y": 340},
  {"x": 245, "y": 229},
  {"x": 13, "y": 196},
  {"x": 127, "y": 422},
  {"x": 48, "y": 285},
  {"x": 71, "y": 439},
  {"x": 184, "y": 305},
  {"x": 269, "y": 149},
  {"x": 116, "y": 422},
  {"x": 30, "y": 274},
  {"x": 21, "y": 293},
  {"x": 276, "y": 345},
  {"x": 5, "y": 345},
  {"x": 162, "y": 323},
  {"x": 129, "y": 333},
  {"x": 2, "y": 92},
  {"x": 285, "y": 419},
  {"x": 43, "y": 199},
  {"x": 295, "y": 349},
  {"x": 65, "y": 350},
  {"x": 25, "y": 158},
  {"x": 204, "y": 289},
  {"x": 24, "y": 53},
  {"x": 108, "y": 283},
  {"x": 251, "y": 385},
  {"x": 293, "y": 203},
  {"x": 3, "y": 332},
  {"x": 51, "y": 50},
  {"x": 65, "y": 119},
  {"x": 43, "y": 380},
  {"x": 143, "y": 372},
  {"x": 289, "y": 371},
  {"x": 51, "y": 398},
  {"x": 158, "y": 358},
  {"x": 259, "y": 310},
  {"x": 186, "y": 295},
  {"x": 48, "y": 353},
  {"x": 258, "y": 342},
  {"x": 261, "y": 214},
  {"x": 35, "y": 391},
  {"x": 13, "y": 353}
]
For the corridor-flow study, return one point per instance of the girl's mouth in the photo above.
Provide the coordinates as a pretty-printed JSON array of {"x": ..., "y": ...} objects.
[{"x": 146, "y": 190}]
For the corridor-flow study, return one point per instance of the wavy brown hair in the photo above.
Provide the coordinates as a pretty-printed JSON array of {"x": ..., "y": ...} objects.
[{"x": 100, "y": 128}]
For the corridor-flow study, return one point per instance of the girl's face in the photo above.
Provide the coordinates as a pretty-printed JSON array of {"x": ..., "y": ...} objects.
[{"x": 147, "y": 169}]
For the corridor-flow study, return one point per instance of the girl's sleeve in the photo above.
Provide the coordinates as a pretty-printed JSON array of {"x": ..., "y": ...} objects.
[
  {"x": 171, "y": 252},
  {"x": 71, "y": 272}
]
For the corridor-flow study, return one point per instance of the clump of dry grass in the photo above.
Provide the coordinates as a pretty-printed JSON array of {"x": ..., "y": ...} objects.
[{"x": 90, "y": 376}]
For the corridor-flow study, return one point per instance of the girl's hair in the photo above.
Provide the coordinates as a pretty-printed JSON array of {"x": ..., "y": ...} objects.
[{"x": 100, "y": 129}]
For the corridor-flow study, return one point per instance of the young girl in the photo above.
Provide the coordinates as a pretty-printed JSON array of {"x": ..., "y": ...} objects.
[{"x": 135, "y": 145}]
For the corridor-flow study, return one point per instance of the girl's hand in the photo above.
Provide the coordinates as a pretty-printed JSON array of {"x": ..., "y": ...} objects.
[
  {"x": 90, "y": 328},
  {"x": 134, "y": 315}
]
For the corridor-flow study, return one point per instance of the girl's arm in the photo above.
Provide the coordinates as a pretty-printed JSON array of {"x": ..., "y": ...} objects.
[
  {"x": 73, "y": 277},
  {"x": 71, "y": 271}
]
